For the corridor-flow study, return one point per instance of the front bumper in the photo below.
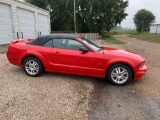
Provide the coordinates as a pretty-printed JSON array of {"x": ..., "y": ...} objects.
[{"x": 140, "y": 73}]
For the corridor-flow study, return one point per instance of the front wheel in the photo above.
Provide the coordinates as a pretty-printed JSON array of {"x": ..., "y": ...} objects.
[
  {"x": 32, "y": 66},
  {"x": 119, "y": 74}
]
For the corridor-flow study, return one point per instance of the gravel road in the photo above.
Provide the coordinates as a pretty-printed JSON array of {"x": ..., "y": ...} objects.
[
  {"x": 66, "y": 97},
  {"x": 139, "y": 100}
]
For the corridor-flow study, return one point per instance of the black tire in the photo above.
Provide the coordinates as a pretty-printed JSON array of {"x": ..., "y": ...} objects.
[
  {"x": 36, "y": 66},
  {"x": 119, "y": 78}
]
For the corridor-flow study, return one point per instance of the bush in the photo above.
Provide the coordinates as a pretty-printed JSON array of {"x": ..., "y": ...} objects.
[{"x": 105, "y": 35}]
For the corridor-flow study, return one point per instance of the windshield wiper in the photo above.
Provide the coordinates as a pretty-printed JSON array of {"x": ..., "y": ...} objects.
[{"x": 101, "y": 48}]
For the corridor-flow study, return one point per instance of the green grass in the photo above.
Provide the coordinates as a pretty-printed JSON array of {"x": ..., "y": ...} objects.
[
  {"x": 113, "y": 40},
  {"x": 155, "y": 38}
]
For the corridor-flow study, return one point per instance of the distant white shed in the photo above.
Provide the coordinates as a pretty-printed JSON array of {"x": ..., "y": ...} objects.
[
  {"x": 155, "y": 28},
  {"x": 22, "y": 20}
]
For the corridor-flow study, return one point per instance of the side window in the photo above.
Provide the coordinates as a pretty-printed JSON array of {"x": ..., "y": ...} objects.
[
  {"x": 60, "y": 43},
  {"x": 67, "y": 44},
  {"x": 48, "y": 44},
  {"x": 74, "y": 45}
]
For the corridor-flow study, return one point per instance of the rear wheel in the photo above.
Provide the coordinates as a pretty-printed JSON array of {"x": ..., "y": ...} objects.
[
  {"x": 119, "y": 74},
  {"x": 33, "y": 66}
]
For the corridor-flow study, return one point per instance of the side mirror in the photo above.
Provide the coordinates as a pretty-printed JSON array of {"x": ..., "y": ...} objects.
[{"x": 83, "y": 49}]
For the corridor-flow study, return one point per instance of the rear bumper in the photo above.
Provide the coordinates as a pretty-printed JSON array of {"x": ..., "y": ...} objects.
[{"x": 140, "y": 73}]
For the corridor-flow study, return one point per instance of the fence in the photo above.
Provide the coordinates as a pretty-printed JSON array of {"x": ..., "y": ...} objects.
[{"x": 90, "y": 36}]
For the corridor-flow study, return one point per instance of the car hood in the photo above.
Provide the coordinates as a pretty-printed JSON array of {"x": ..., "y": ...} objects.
[{"x": 122, "y": 53}]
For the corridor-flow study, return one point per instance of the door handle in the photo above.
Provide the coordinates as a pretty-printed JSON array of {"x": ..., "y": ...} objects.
[{"x": 56, "y": 53}]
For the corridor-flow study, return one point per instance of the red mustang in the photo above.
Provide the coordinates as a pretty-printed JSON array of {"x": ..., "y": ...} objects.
[{"x": 73, "y": 54}]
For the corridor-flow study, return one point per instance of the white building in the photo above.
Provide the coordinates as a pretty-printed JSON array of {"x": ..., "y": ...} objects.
[
  {"x": 155, "y": 28},
  {"x": 22, "y": 20}
]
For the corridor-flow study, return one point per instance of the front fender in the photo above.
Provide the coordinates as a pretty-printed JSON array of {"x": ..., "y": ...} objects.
[{"x": 132, "y": 64}]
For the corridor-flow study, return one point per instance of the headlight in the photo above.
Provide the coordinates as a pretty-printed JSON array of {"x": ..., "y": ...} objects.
[{"x": 141, "y": 65}]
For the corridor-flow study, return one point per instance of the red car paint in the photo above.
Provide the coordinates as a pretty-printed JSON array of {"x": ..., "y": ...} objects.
[{"x": 94, "y": 64}]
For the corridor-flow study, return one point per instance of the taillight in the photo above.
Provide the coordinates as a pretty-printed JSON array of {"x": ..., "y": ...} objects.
[{"x": 14, "y": 41}]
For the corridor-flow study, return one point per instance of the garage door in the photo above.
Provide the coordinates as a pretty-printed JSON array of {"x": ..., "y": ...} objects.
[
  {"x": 6, "y": 30},
  {"x": 43, "y": 24},
  {"x": 26, "y": 22}
]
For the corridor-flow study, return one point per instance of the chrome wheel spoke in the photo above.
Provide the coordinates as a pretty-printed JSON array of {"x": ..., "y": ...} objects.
[
  {"x": 34, "y": 64},
  {"x": 123, "y": 77},
  {"x": 124, "y": 73},
  {"x": 117, "y": 79},
  {"x": 32, "y": 72},
  {"x": 29, "y": 64},
  {"x": 28, "y": 68},
  {"x": 114, "y": 74},
  {"x": 36, "y": 68},
  {"x": 117, "y": 71}
]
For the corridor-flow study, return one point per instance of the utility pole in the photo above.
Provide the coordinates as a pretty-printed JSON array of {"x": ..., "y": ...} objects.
[{"x": 75, "y": 17}]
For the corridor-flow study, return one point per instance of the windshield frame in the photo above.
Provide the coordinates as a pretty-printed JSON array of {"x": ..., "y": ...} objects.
[{"x": 91, "y": 44}]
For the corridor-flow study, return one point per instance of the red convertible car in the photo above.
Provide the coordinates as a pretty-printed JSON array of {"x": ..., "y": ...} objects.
[{"x": 74, "y": 54}]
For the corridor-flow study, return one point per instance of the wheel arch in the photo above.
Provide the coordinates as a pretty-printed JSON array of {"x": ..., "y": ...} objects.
[{"x": 30, "y": 55}]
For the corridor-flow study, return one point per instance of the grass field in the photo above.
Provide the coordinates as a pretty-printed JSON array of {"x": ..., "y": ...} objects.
[
  {"x": 113, "y": 40},
  {"x": 147, "y": 37}
]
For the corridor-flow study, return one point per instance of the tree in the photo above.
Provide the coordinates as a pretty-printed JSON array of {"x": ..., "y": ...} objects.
[
  {"x": 92, "y": 15},
  {"x": 100, "y": 15},
  {"x": 142, "y": 19}
]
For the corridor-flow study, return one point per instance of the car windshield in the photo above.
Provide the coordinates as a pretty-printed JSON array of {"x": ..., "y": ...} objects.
[{"x": 92, "y": 45}]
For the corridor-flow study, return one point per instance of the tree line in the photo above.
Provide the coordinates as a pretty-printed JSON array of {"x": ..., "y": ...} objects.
[{"x": 92, "y": 15}]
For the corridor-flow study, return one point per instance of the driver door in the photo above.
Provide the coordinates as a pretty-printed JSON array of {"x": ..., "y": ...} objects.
[{"x": 68, "y": 58}]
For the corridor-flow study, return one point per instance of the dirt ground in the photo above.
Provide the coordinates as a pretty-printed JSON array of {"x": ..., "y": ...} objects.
[{"x": 66, "y": 97}]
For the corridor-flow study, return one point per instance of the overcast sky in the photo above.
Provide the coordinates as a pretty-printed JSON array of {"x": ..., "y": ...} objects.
[{"x": 135, "y": 5}]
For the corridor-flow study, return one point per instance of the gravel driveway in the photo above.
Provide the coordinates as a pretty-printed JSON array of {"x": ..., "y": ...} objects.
[
  {"x": 49, "y": 97},
  {"x": 66, "y": 97}
]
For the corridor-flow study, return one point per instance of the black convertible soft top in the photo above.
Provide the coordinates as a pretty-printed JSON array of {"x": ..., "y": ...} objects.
[{"x": 43, "y": 39}]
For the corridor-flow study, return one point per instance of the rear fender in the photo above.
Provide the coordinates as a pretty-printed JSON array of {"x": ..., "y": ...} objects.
[{"x": 32, "y": 53}]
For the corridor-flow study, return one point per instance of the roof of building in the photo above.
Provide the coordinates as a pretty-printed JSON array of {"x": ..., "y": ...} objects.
[{"x": 154, "y": 24}]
